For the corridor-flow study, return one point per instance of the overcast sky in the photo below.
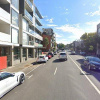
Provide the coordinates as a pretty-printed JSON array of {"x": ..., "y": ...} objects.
[{"x": 69, "y": 18}]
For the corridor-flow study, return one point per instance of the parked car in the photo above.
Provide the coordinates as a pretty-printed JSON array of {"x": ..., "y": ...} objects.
[
  {"x": 49, "y": 56},
  {"x": 55, "y": 53},
  {"x": 92, "y": 63},
  {"x": 50, "y": 53},
  {"x": 62, "y": 56},
  {"x": 82, "y": 53},
  {"x": 42, "y": 58},
  {"x": 9, "y": 80},
  {"x": 73, "y": 53}
]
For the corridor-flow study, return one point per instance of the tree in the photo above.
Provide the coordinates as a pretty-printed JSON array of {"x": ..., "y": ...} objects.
[
  {"x": 90, "y": 42},
  {"x": 46, "y": 42},
  {"x": 61, "y": 46}
]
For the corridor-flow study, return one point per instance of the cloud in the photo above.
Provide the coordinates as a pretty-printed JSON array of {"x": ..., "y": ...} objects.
[
  {"x": 51, "y": 25},
  {"x": 72, "y": 29},
  {"x": 92, "y": 26},
  {"x": 93, "y": 4},
  {"x": 64, "y": 41},
  {"x": 58, "y": 35},
  {"x": 50, "y": 20},
  {"x": 94, "y": 13}
]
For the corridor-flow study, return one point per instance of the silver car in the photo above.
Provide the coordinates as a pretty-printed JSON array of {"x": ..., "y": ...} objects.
[{"x": 62, "y": 56}]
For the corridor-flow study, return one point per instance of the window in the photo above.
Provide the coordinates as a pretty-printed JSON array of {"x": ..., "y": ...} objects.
[
  {"x": 25, "y": 39},
  {"x": 15, "y": 36},
  {"x": 15, "y": 3},
  {"x": 25, "y": 25},
  {"x": 15, "y": 18}
]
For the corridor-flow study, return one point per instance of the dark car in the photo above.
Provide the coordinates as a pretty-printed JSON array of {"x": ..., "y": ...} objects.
[
  {"x": 92, "y": 63},
  {"x": 50, "y": 53}
]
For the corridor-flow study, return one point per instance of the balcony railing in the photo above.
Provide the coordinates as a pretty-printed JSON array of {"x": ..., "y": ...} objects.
[
  {"x": 31, "y": 31},
  {"x": 28, "y": 15},
  {"x": 5, "y": 37},
  {"x": 38, "y": 18},
  {"x": 5, "y": 16},
  {"x": 29, "y": 3},
  {"x": 38, "y": 27},
  {"x": 31, "y": 42}
]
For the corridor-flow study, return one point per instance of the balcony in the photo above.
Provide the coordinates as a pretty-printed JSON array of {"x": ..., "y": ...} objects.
[
  {"x": 38, "y": 27},
  {"x": 36, "y": 35},
  {"x": 31, "y": 31},
  {"x": 31, "y": 42},
  {"x": 4, "y": 16},
  {"x": 29, "y": 17},
  {"x": 5, "y": 37},
  {"x": 38, "y": 21},
  {"x": 29, "y": 5}
]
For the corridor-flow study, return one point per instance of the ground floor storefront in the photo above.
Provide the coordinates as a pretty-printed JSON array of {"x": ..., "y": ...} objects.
[{"x": 17, "y": 54}]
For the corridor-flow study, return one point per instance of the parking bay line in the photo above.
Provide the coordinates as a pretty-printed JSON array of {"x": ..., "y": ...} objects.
[
  {"x": 98, "y": 91},
  {"x": 55, "y": 71}
]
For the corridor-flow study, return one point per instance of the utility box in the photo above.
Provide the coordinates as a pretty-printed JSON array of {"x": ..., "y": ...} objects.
[{"x": 3, "y": 62}]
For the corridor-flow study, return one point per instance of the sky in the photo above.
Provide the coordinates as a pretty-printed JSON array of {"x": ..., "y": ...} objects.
[{"x": 69, "y": 18}]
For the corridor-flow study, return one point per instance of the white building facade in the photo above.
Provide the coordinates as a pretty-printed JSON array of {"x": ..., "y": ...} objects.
[{"x": 20, "y": 30}]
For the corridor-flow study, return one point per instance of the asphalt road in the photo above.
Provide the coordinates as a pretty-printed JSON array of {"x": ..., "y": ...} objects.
[{"x": 64, "y": 80}]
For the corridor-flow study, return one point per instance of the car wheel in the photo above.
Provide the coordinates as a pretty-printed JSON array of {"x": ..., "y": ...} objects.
[{"x": 22, "y": 78}]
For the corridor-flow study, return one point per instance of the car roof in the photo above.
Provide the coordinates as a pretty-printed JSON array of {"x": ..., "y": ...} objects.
[
  {"x": 91, "y": 57},
  {"x": 62, "y": 52}
]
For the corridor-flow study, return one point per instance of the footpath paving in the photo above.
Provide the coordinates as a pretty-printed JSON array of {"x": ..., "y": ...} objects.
[{"x": 21, "y": 66}]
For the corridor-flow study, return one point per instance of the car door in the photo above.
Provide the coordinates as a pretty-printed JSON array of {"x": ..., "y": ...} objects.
[
  {"x": 11, "y": 81},
  {"x": 3, "y": 84}
]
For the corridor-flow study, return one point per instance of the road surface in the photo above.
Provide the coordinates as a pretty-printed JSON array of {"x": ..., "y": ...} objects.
[{"x": 58, "y": 80}]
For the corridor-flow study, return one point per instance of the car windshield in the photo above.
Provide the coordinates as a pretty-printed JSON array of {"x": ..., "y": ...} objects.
[
  {"x": 62, "y": 53},
  {"x": 41, "y": 56},
  {"x": 95, "y": 59}
]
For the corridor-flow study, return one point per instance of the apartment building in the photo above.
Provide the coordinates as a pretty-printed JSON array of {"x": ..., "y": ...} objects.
[
  {"x": 49, "y": 33},
  {"x": 20, "y": 30}
]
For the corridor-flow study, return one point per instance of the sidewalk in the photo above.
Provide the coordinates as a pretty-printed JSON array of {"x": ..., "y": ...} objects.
[{"x": 20, "y": 66}]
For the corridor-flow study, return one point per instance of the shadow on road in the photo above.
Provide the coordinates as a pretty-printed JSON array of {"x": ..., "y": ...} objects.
[
  {"x": 58, "y": 61},
  {"x": 94, "y": 73}
]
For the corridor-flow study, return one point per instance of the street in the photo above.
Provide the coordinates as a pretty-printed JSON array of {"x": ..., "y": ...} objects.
[{"x": 58, "y": 80}]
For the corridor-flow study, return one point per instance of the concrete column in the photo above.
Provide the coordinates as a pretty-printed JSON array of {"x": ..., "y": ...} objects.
[
  {"x": 33, "y": 53},
  {"x": 12, "y": 55},
  {"x": 26, "y": 53},
  {"x": 21, "y": 54}
]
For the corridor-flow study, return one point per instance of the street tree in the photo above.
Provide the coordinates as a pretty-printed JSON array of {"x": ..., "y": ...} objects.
[{"x": 45, "y": 41}]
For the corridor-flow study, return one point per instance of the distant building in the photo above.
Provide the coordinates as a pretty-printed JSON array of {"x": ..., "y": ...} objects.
[
  {"x": 49, "y": 33},
  {"x": 78, "y": 44}
]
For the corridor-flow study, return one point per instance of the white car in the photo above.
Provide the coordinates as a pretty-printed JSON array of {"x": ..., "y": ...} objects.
[
  {"x": 9, "y": 80},
  {"x": 62, "y": 56},
  {"x": 42, "y": 58}
]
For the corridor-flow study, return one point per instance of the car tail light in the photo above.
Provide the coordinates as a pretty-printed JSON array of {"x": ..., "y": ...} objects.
[{"x": 43, "y": 58}]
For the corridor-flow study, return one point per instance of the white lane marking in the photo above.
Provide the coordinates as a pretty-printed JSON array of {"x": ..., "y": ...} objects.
[
  {"x": 30, "y": 76},
  {"x": 98, "y": 91},
  {"x": 32, "y": 70},
  {"x": 55, "y": 71}
]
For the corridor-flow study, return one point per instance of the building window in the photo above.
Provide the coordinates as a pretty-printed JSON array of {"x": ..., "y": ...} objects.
[
  {"x": 15, "y": 18},
  {"x": 16, "y": 53},
  {"x": 15, "y": 36},
  {"x": 25, "y": 39},
  {"x": 25, "y": 25},
  {"x": 15, "y": 3}
]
